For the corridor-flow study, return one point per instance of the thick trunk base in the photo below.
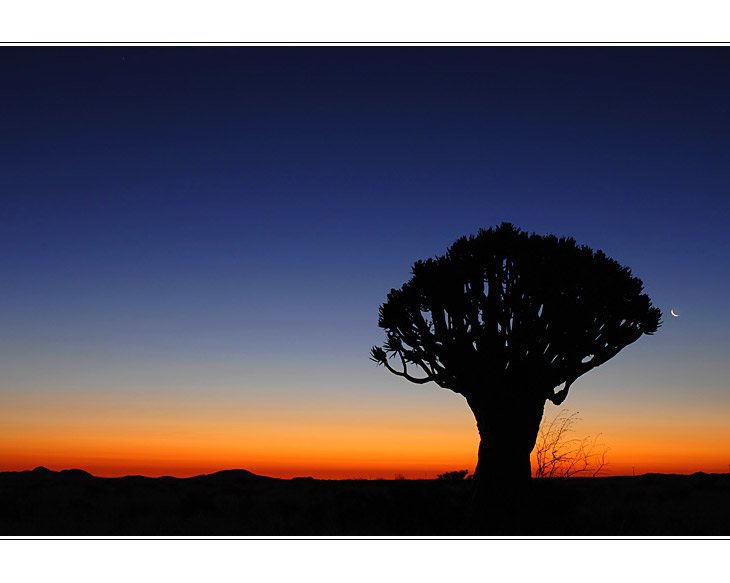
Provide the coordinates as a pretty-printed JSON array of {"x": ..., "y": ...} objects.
[{"x": 503, "y": 472}]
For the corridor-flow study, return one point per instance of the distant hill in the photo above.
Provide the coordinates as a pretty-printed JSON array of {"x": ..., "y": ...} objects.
[
  {"x": 231, "y": 475},
  {"x": 43, "y": 472}
]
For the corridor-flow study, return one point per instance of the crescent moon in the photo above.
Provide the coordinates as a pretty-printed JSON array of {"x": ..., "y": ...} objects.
[{"x": 673, "y": 314}]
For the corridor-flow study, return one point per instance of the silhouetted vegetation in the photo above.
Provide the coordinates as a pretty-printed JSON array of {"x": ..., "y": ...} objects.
[
  {"x": 559, "y": 455},
  {"x": 505, "y": 318},
  {"x": 455, "y": 475}
]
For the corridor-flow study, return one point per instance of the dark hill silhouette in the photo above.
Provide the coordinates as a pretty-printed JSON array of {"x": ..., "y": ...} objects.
[
  {"x": 44, "y": 502},
  {"x": 232, "y": 475},
  {"x": 78, "y": 474},
  {"x": 43, "y": 473}
]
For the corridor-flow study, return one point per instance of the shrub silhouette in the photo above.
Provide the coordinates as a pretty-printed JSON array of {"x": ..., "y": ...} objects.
[
  {"x": 505, "y": 318},
  {"x": 455, "y": 475},
  {"x": 558, "y": 455}
]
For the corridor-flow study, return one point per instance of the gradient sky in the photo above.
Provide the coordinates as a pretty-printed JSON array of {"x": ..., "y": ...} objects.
[{"x": 195, "y": 242}]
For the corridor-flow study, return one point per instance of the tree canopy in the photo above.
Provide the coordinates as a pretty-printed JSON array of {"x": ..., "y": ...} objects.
[{"x": 506, "y": 304}]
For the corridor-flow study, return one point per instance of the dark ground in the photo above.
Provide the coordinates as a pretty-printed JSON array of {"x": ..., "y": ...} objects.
[{"x": 238, "y": 503}]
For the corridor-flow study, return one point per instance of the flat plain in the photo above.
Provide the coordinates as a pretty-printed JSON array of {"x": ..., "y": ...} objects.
[{"x": 43, "y": 502}]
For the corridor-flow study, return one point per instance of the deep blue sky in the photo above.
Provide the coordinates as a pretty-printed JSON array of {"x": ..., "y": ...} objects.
[{"x": 229, "y": 218}]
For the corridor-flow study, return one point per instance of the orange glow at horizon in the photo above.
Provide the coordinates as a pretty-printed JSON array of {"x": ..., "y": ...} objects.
[
  {"x": 186, "y": 439},
  {"x": 183, "y": 438}
]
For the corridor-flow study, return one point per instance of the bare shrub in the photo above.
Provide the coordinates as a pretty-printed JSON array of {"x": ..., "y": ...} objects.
[
  {"x": 558, "y": 455},
  {"x": 456, "y": 475}
]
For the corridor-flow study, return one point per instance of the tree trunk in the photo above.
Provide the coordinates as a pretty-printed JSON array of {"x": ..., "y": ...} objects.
[{"x": 508, "y": 431}]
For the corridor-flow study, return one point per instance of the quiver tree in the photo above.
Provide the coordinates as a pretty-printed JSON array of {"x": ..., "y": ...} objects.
[{"x": 510, "y": 320}]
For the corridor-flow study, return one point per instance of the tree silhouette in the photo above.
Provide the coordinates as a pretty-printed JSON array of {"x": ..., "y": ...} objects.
[{"x": 505, "y": 318}]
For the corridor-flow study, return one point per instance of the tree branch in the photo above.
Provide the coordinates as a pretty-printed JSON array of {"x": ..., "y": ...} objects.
[
  {"x": 558, "y": 397},
  {"x": 404, "y": 373}
]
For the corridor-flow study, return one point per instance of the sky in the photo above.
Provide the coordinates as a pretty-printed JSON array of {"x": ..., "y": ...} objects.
[{"x": 195, "y": 242}]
